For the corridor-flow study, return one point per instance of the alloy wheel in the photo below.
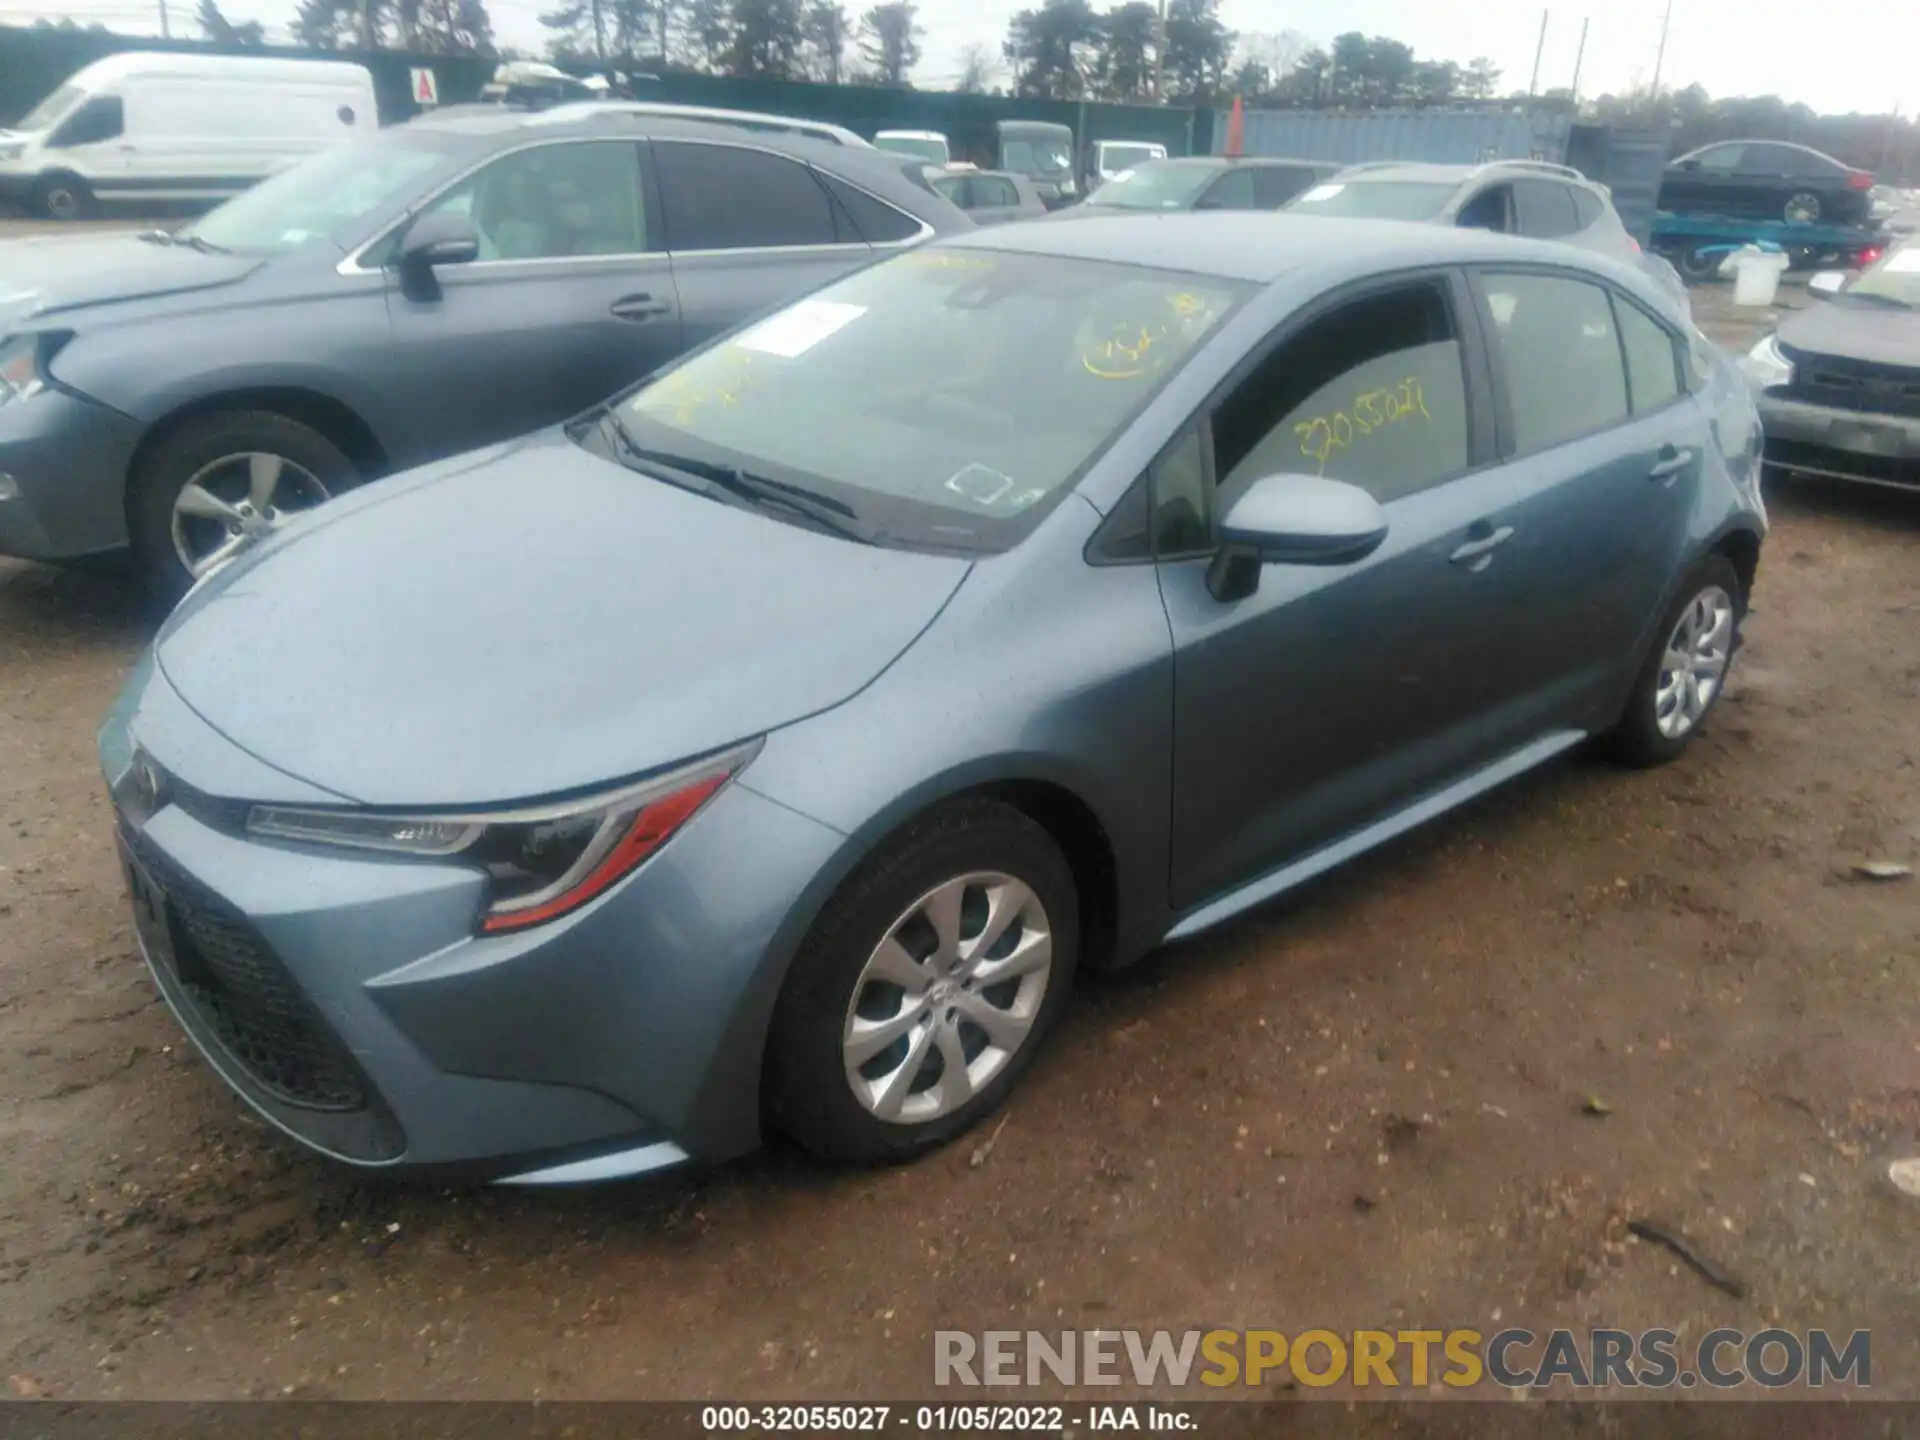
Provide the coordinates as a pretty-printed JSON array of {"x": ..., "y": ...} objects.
[
  {"x": 230, "y": 505},
  {"x": 947, "y": 998},
  {"x": 1694, "y": 664}
]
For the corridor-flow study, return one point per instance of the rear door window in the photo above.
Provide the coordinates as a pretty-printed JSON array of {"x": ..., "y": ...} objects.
[
  {"x": 1491, "y": 209},
  {"x": 1653, "y": 368},
  {"x": 730, "y": 197},
  {"x": 1232, "y": 191},
  {"x": 1274, "y": 185},
  {"x": 1544, "y": 209},
  {"x": 1554, "y": 339}
]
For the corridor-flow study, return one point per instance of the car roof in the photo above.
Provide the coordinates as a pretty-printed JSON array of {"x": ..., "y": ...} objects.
[
  {"x": 1225, "y": 162},
  {"x": 1262, "y": 245},
  {"x": 1412, "y": 171}
]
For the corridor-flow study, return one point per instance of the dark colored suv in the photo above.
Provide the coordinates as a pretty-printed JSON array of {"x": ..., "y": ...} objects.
[
  {"x": 1767, "y": 180},
  {"x": 443, "y": 284}
]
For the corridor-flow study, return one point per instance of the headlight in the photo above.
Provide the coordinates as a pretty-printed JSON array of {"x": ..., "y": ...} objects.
[
  {"x": 20, "y": 372},
  {"x": 1765, "y": 366},
  {"x": 541, "y": 862}
]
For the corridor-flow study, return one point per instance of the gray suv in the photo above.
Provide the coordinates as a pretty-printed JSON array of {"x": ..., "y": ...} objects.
[
  {"x": 1533, "y": 198},
  {"x": 449, "y": 282}
]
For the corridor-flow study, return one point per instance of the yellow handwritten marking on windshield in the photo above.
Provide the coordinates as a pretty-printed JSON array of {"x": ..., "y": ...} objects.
[
  {"x": 1321, "y": 435},
  {"x": 1124, "y": 355},
  {"x": 683, "y": 397}
]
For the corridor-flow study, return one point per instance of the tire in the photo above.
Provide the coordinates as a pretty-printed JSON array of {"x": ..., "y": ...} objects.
[
  {"x": 808, "y": 1084},
  {"x": 63, "y": 196},
  {"x": 219, "y": 452},
  {"x": 1700, "y": 263},
  {"x": 1647, "y": 734},
  {"x": 1802, "y": 208}
]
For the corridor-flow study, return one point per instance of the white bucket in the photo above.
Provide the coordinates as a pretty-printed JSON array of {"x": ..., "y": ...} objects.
[{"x": 1756, "y": 276}]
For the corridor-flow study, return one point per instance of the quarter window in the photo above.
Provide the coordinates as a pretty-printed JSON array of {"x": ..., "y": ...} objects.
[
  {"x": 1372, "y": 393},
  {"x": 554, "y": 202},
  {"x": 878, "y": 222},
  {"x": 1555, "y": 340},
  {"x": 101, "y": 118},
  {"x": 1232, "y": 191},
  {"x": 728, "y": 197},
  {"x": 1653, "y": 374},
  {"x": 1545, "y": 209}
]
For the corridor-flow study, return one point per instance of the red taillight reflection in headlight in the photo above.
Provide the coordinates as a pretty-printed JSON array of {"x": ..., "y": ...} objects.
[{"x": 651, "y": 828}]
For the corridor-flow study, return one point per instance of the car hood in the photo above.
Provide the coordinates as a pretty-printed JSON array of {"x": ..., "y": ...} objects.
[
  {"x": 539, "y": 622},
  {"x": 1856, "y": 330},
  {"x": 49, "y": 274}
]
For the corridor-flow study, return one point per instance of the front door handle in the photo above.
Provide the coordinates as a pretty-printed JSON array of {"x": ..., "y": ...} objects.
[
  {"x": 1478, "y": 554},
  {"x": 1670, "y": 464},
  {"x": 639, "y": 308}
]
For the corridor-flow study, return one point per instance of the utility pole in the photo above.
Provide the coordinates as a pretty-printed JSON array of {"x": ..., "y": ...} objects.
[
  {"x": 1533, "y": 85},
  {"x": 1660, "y": 55},
  {"x": 166, "y": 30},
  {"x": 366, "y": 24},
  {"x": 599, "y": 35},
  {"x": 1578, "y": 56}
]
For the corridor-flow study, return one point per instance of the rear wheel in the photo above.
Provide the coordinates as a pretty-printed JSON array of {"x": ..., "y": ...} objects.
[
  {"x": 220, "y": 484},
  {"x": 1802, "y": 208},
  {"x": 1682, "y": 679},
  {"x": 1701, "y": 262},
  {"x": 63, "y": 197},
  {"x": 927, "y": 987}
]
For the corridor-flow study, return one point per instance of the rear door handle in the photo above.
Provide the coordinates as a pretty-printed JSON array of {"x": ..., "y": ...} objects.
[
  {"x": 1670, "y": 464},
  {"x": 1478, "y": 554},
  {"x": 639, "y": 308}
]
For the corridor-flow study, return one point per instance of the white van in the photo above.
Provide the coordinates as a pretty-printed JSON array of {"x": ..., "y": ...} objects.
[{"x": 145, "y": 126}]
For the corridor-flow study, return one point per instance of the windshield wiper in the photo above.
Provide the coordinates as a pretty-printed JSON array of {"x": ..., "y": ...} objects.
[
  {"x": 756, "y": 490},
  {"x": 157, "y": 237}
]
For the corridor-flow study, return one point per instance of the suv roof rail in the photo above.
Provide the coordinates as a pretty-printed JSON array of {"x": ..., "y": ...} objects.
[
  {"x": 1549, "y": 167},
  {"x": 1377, "y": 165},
  {"x": 741, "y": 119}
]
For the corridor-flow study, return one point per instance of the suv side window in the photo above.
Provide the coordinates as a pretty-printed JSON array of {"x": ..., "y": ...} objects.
[
  {"x": 994, "y": 191},
  {"x": 1587, "y": 206},
  {"x": 101, "y": 118},
  {"x": 1232, "y": 191},
  {"x": 1554, "y": 339},
  {"x": 1653, "y": 370},
  {"x": 1544, "y": 209},
  {"x": 1489, "y": 210},
  {"x": 555, "y": 201},
  {"x": 1721, "y": 158},
  {"x": 730, "y": 197},
  {"x": 877, "y": 222},
  {"x": 1274, "y": 185},
  {"x": 1372, "y": 392}
]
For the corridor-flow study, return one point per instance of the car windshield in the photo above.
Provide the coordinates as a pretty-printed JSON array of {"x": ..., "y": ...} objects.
[
  {"x": 50, "y": 110},
  {"x": 934, "y": 150},
  {"x": 1119, "y": 157},
  {"x": 1376, "y": 199},
  {"x": 1154, "y": 186},
  {"x": 316, "y": 199},
  {"x": 946, "y": 396},
  {"x": 1035, "y": 157},
  {"x": 1896, "y": 277}
]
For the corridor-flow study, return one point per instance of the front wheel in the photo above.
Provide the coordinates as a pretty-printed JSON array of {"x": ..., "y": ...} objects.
[
  {"x": 927, "y": 987},
  {"x": 63, "y": 197},
  {"x": 220, "y": 484},
  {"x": 1683, "y": 678}
]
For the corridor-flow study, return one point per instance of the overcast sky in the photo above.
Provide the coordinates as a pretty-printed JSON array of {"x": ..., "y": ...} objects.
[{"x": 1867, "y": 59}]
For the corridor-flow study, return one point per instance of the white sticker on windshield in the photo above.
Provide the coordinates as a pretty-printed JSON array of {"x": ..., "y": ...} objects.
[
  {"x": 799, "y": 328},
  {"x": 1902, "y": 262},
  {"x": 979, "y": 484},
  {"x": 1321, "y": 192}
]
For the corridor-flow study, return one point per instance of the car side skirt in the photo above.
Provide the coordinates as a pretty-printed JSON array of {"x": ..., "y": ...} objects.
[{"x": 1277, "y": 882}]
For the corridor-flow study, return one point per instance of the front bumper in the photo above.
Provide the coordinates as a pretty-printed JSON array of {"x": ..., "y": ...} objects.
[
  {"x": 64, "y": 460},
  {"x": 1858, "y": 445},
  {"x": 349, "y": 1001}
]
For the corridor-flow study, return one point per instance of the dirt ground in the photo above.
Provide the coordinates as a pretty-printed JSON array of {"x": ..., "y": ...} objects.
[{"x": 1363, "y": 1107}]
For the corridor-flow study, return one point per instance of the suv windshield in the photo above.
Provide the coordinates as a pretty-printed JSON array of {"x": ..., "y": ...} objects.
[
  {"x": 51, "y": 109},
  {"x": 945, "y": 397},
  {"x": 1119, "y": 157},
  {"x": 1377, "y": 199},
  {"x": 1157, "y": 185},
  {"x": 1896, "y": 277},
  {"x": 1035, "y": 157},
  {"x": 317, "y": 198}
]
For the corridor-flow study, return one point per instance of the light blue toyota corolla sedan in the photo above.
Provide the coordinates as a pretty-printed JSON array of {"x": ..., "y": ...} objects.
[{"x": 768, "y": 750}]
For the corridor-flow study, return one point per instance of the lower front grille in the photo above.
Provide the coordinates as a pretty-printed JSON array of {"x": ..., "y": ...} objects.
[
  {"x": 1842, "y": 464},
  {"x": 246, "y": 1001},
  {"x": 1861, "y": 385}
]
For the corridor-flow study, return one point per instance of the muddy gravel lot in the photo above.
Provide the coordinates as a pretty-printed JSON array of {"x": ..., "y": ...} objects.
[{"x": 1367, "y": 1106}]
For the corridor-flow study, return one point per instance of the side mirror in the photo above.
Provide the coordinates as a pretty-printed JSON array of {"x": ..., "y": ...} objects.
[
  {"x": 1293, "y": 520},
  {"x": 1826, "y": 284},
  {"x": 438, "y": 239}
]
